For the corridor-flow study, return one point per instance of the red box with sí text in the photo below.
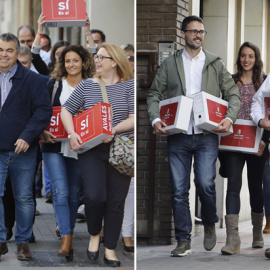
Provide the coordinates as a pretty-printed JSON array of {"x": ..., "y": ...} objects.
[
  {"x": 175, "y": 113},
  {"x": 245, "y": 138},
  {"x": 56, "y": 126},
  {"x": 93, "y": 125},
  {"x": 64, "y": 13},
  {"x": 208, "y": 111}
]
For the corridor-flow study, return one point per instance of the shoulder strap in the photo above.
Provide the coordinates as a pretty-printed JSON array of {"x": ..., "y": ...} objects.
[
  {"x": 56, "y": 84},
  {"x": 103, "y": 91}
]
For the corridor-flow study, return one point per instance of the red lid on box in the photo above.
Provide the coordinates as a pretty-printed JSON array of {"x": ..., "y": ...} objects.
[
  {"x": 216, "y": 111},
  {"x": 168, "y": 113}
]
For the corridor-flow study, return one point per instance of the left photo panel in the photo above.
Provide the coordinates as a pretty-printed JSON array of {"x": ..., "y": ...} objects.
[{"x": 67, "y": 150}]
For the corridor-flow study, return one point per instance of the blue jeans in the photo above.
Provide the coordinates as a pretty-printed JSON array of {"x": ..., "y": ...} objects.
[
  {"x": 266, "y": 188},
  {"x": 65, "y": 179},
  {"x": 181, "y": 148},
  {"x": 21, "y": 169},
  {"x": 47, "y": 181}
]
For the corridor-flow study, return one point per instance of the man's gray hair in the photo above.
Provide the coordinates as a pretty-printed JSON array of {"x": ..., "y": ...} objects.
[
  {"x": 7, "y": 37},
  {"x": 25, "y": 50}
]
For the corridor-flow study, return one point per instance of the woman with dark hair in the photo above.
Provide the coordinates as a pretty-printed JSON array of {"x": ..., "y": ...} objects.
[
  {"x": 105, "y": 189},
  {"x": 56, "y": 52},
  {"x": 249, "y": 77},
  {"x": 74, "y": 64}
]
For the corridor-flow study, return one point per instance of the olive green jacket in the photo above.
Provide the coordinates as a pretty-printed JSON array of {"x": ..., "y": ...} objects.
[{"x": 216, "y": 80}]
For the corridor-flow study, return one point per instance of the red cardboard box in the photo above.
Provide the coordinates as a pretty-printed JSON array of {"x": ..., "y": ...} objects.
[
  {"x": 64, "y": 13},
  {"x": 208, "y": 111},
  {"x": 93, "y": 125},
  {"x": 176, "y": 112},
  {"x": 56, "y": 126},
  {"x": 246, "y": 137}
]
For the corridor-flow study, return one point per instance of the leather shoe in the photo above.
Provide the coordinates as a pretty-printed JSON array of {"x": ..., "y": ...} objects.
[
  {"x": 9, "y": 233},
  {"x": 128, "y": 248},
  {"x": 92, "y": 256},
  {"x": 23, "y": 252},
  {"x": 112, "y": 263},
  {"x": 3, "y": 248}
]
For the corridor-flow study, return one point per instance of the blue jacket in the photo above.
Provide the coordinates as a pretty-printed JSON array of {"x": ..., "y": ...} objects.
[{"x": 27, "y": 110}]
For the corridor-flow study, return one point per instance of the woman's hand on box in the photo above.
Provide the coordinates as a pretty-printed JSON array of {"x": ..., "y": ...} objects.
[
  {"x": 261, "y": 149},
  {"x": 48, "y": 137},
  {"x": 75, "y": 142}
]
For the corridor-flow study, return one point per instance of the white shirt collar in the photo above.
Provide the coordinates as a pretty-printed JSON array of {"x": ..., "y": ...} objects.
[{"x": 199, "y": 57}]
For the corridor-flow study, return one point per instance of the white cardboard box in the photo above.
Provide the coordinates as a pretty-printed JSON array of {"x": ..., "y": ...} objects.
[
  {"x": 176, "y": 113},
  {"x": 208, "y": 111},
  {"x": 246, "y": 137}
]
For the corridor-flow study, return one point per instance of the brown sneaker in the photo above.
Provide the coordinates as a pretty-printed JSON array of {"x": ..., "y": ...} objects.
[
  {"x": 23, "y": 252},
  {"x": 3, "y": 248}
]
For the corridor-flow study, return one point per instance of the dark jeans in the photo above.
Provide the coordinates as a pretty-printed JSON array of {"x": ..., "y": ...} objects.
[
  {"x": 233, "y": 165},
  {"x": 181, "y": 149},
  {"x": 105, "y": 191}
]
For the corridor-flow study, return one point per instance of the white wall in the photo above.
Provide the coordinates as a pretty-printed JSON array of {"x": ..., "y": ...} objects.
[{"x": 115, "y": 18}]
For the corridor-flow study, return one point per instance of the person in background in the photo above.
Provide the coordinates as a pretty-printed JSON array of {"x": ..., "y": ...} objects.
[
  {"x": 25, "y": 112},
  {"x": 189, "y": 71},
  {"x": 105, "y": 189},
  {"x": 98, "y": 37},
  {"x": 74, "y": 64},
  {"x": 45, "y": 43},
  {"x": 266, "y": 192},
  {"x": 128, "y": 221},
  {"x": 26, "y": 35},
  {"x": 249, "y": 77}
]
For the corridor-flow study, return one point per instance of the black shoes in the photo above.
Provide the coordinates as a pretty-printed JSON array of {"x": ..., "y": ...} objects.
[
  {"x": 128, "y": 248},
  {"x": 267, "y": 253},
  {"x": 48, "y": 197},
  {"x": 92, "y": 256},
  {"x": 3, "y": 248},
  {"x": 112, "y": 263}
]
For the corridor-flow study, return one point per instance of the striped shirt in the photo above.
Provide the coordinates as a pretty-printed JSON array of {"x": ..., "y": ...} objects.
[{"x": 120, "y": 95}]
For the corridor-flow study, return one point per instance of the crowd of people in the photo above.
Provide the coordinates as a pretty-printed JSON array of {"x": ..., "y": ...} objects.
[
  {"x": 192, "y": 70},
  {"x": 35, "y": 77}
]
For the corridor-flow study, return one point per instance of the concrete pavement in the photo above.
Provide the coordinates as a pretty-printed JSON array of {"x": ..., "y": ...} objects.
[
  {"x": 158, "y": 257},
  {"x": 47, "y": 243}
]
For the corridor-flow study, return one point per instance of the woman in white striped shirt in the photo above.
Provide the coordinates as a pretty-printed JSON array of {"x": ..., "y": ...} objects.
[{"x": 105, "y": 189}]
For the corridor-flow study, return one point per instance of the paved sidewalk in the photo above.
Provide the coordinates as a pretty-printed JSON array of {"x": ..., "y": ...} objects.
[
  {"x": 47, "y": 243},
  {"x": 158, "y": 257}
]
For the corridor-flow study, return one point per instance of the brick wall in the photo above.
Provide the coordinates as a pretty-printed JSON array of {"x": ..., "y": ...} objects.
[{"x": 157, "y": 20}]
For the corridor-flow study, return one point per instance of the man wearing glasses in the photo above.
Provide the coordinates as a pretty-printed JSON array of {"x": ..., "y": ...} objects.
[{"x": 187, "y": 72}]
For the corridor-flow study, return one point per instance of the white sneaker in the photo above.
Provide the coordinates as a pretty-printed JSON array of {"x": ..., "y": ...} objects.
[{"x": 81, "y": 212}]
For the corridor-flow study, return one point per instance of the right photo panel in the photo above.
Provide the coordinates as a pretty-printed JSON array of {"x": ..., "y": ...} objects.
[{"x": 203, "y": 107}]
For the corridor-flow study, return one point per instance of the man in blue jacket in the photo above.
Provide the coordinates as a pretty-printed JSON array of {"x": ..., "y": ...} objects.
[{"x": 25, "y": 111}]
